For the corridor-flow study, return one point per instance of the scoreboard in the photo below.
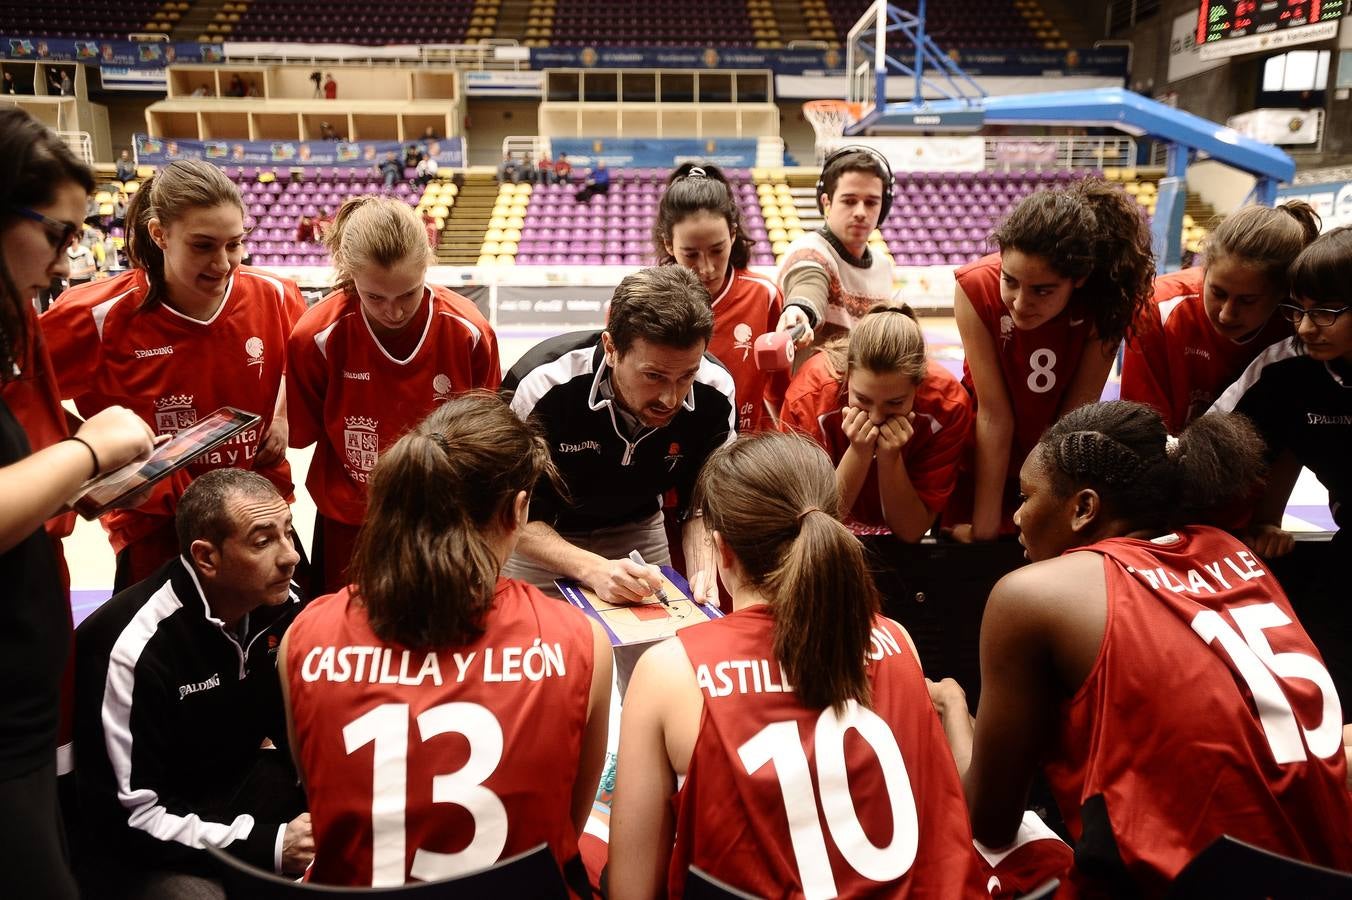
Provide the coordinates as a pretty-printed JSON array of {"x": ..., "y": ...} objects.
[{"x": 1229, "y": 27}]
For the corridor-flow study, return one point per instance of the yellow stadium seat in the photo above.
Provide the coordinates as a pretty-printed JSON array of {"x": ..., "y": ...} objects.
[
  {"x": 486, "y": 261},
  {"x": 493, "y": 234},
  {"x": 506, "y": 259},
  {"x": 508, "y": 247},
  {"x": 490, "y": 247},
  {"x": 513, "y": 232},
  {"x": 105, "y": 209},
  {"x": 516, "y": 222},
  {"x": 777, "y": 234},
  {"x": 780, "y": 247},
  {"x": 441, "y": 223},
  {"x": 441, "y": 210}
]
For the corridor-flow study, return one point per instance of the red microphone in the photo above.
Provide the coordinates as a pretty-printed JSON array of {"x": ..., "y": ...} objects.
[{"x": 774, "y": 351}]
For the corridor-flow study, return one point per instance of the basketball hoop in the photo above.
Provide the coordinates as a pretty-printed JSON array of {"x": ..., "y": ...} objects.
[{"x": 828, "y": 119}]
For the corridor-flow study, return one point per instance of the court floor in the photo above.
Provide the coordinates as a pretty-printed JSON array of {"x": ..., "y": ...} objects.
[{"x": 91, "y": 559}]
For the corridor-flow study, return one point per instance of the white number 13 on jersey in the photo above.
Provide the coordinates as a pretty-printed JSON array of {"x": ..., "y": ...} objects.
[
  {"x": 387, "y": 727},
  {"x": 779, "y": 743}
]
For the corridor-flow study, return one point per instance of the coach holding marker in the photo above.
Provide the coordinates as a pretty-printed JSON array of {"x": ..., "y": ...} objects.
[{"x": 630, "y": 413}]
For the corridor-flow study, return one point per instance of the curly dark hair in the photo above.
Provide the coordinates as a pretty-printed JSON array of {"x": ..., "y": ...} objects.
[{"x": 1095, "y": 231}]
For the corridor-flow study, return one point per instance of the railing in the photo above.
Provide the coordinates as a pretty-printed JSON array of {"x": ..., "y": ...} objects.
[
  {"x": 1059, "y": 152},
  {"x": 1322, "y": 175},
  {"x": 80, "y": 144},
  {"x": 501, "y": 54}
]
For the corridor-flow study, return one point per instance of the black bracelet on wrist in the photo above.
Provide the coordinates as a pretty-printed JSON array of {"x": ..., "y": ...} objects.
[{"x": 92, "y": 455}]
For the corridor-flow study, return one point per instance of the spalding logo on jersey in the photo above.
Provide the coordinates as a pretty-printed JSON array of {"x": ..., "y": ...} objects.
[
  {"x": 173, "y": 413},
  {"x": 441, "y": 388},
  {"x": 360, "y": 442},
  {"x": 742, "y": 334},
  {"x": 254, "y": 348}
]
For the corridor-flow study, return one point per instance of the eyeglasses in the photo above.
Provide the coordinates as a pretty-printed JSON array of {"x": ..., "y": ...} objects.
[
  {"x": 61, "y": 235},
  {"x": 1322, "y": 318}
]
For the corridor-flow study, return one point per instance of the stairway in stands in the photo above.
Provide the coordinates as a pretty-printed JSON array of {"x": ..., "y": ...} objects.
[{"x": 463, "y": 235}]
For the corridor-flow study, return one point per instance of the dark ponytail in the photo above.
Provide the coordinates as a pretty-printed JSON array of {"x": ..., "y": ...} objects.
[
  {"x": 695, "y": 188},
  {"x": 168, "y": 195},
  {"x": 424, "y": 564},
  {"x": 1095, "y": 231},
  {"x": 1151, "y": 480},
  {"x": 772, "y": 497},
  {"x": 34, "y": 162}
]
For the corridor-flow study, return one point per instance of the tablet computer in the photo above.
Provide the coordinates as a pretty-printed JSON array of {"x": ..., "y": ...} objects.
[{"x": 206, "y": 434}]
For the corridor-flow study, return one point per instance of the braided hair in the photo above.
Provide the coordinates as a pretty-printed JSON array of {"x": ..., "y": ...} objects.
[{"x": 1124, "y": 452}]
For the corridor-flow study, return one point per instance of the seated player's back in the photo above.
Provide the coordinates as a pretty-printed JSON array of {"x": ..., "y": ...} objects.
[
  {"x": 889, "y": 794},
  {"x": 424, "y": 764}
]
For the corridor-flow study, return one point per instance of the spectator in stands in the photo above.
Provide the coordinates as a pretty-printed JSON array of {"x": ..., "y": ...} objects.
[
  {"x": 597, "y": 182},
  {"x": 699, "y": 226},
  {"x": 563, "y": 170},
  {"x": 430, "y": 134},
  {"x": 318, "y": 78},
  {"x": 42, "y": 466},
  {"x": 412, "y": 154},
  {"x": 126, "y": 169},
  {"x": 544, "y": 170},
  {"x": 120, "y": 203},
  {"x": 9, "y": 86},
  {"x": 829, "y": 277},
  {"x": 692, "y": 788},
  {"x": 53, "y": 81},
  {"x": 82, "y": 264},
  {"x": 430, "y": 226},
  {"x": 1296, "y": 392},
  {"x": 218, "y": 331},
  {"x": 202, "y": 90},
  {"x": 323, "y": 222},
  {"x": 528, "y": 171},
  {"x": 424, "y": 171},
  {"x": 67, "y": 86},
  {"x": 427, "y": 575},
  {"x": 179, "y": 715},
  {"x": 236, "y": 88},
  {"x": 630, "y": 413},
  {"x": 390, "y": 170},
  {"x": 1208, "y": 323},
  {"x": 1118, "y": 669},
  {"x": 330, "y": 87},
  {"x": 253, "y": 88},
  {"x": 1040, "y": 322},
  {"x": 367, "y": 362},
  {"x": 327, "y": 133},
  {"x": 305, "y": 231},
  {"x": 508, "y": 170},
  {"x": 894, "y": 423}
]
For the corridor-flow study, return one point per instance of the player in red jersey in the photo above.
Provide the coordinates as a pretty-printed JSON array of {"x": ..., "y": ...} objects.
[
  {"x": 1040, "y": 323},
  {"x": 1159, "y": 673},
  {"x": 183, "y": 332},
  {"x": 1207, "y": 324},
  {"x": 43, "y": 192},
  {"x": 699, "y": 226},
  {"x": 812, "y": 763},
  {"x": 370, "y": 360},
  {"x": 894, "y": 423},
  {"x": 444, "y": 718}
]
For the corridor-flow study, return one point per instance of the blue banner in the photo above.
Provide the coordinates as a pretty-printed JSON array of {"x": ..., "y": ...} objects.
[
  {"x": 124, "y": 54},
  {"x": 656, "y": 153},
  {"x": 1105, "y": 61},
  {"x": 352, "y": 154}
]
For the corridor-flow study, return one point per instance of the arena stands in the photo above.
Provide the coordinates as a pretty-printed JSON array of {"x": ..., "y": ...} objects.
[{"x": 87, "y": 19}]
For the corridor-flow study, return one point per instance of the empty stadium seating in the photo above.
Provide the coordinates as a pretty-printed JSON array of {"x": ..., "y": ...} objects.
[{"x": 87, "y": 18}]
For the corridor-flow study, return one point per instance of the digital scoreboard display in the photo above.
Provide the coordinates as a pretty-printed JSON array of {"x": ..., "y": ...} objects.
[{"x": 1264, "y": 24}]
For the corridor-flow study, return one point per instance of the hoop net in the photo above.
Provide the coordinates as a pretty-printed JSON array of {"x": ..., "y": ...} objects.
[{"x": 828, "y": 119}]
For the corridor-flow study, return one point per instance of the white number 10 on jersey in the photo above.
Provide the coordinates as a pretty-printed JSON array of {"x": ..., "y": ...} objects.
[{"x": 780, "y": 743}]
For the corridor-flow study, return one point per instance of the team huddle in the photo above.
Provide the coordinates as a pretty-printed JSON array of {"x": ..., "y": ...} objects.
[{"x": 407, "y": 698}]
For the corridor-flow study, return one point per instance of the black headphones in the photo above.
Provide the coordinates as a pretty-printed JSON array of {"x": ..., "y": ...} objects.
[{"x": 881, "y": 167}]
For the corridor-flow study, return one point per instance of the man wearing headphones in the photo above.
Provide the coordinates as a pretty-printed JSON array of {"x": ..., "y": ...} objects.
[{"x": 829, "y": 277}]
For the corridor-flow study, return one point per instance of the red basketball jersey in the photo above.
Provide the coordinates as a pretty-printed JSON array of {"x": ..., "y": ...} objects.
[
  {"x": 748, "y": 307},
  {"x": 425, "y": 765},
  {"x": 943, "y": 424},
  {"x": 785, "y": 801},
  {"x": 170, "y": 370},
  {"x": 1037, "y": 365},
  {"x": 1208, "y": 711},
  {"x": 1176, "y": 362},
  {"x": 350, "y": 395}
]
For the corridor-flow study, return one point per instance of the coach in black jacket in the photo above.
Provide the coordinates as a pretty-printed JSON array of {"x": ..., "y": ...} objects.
[
  {"x": 176, "y": 696},
  {"x": 630, "y": 414}
]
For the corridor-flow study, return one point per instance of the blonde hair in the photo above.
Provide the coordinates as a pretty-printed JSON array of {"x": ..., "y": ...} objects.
[
  {"x": 374, "y": 231},
  {"x": 887, "y": 339},
  {"x": 168, "y": 195}
]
